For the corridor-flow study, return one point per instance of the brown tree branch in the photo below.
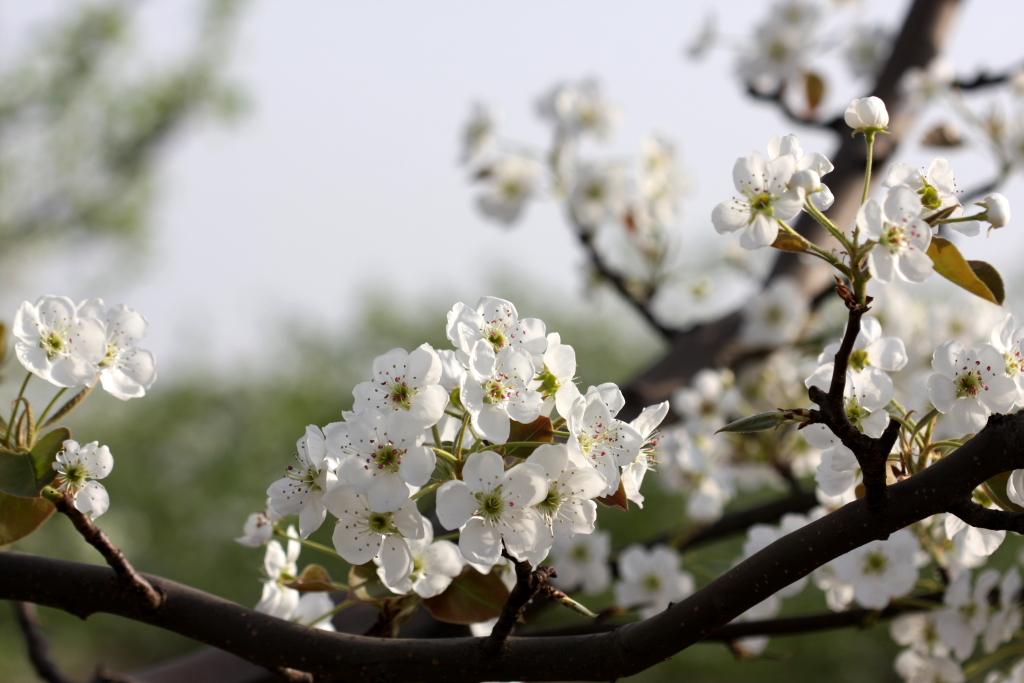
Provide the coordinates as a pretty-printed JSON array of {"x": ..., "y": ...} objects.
[
  {"x": 95, "y": 537},
  {"x": 37, "y": 645},
  {"x": 986, "y": 79},
  {"x": 924, "y": 32},
  {"x": 777, "y": 97},
  {"x": 270, "y": 642},
  {"x": 984, "y": 518},
  {"x": 529, "y": 582}
]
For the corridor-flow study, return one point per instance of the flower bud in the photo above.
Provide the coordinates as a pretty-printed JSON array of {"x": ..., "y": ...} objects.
[
  {"x": 997, "y": 209},
  {"x": 806, "y": 180},
  {"x": 867, "y": 115}
]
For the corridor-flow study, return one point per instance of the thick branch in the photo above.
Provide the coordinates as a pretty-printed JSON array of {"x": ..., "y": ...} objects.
[
  {"x": 627, "y": 650},
  {"x": 529, "y": 583},
  {"x": 925, "y": 30},
  {"x": 111, "y": 553},
  {"x": 986, "y": 79}
]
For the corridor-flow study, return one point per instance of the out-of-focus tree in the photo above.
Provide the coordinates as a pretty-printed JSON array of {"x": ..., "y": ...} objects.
[{"x": 83, "y": 118}]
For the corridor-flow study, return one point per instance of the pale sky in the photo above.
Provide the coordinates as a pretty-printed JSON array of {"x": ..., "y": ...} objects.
[{"x": 342, "y": 178}]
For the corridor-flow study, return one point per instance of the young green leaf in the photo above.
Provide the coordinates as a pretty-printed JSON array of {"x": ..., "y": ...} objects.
[
  {"x": 45, "y": 452},
  {"x": 755, "y": 423},
  {"x": 21, "y": 516},
  {"x": 17, "y": 474}
]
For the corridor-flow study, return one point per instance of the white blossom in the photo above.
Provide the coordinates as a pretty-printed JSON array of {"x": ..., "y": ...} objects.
[
  {"x": 776, "y": 316},
  {"x": 301, "y": 491},
  {"x": 494, "y": 508},
  {"x": 969, "y": 384},
  {"x": 867, "y": 115},
  {"x": 765, "y": 199},
  {"x": 435, "y": 565},
  {"x": 77, "y": 468},
  {"x": 582, "y": 562},
  {"x": 498, "y": 389},
  {"x": 125, "y": 371},
  {"x": 902, "y": 237},
  {"x": 510, "y": 181},
  {"x": 650, "y": 579},
  {"x": 568, "y": 507},
  {"x": 407, "y": 384},
  {"x": 53, "y": 342},
  {"x": 880, "y": 570},
  {"x": 605, "y": 441}
]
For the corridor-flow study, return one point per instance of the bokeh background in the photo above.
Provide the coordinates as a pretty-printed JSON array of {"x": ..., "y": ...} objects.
[{"x": 279, "y": 193}]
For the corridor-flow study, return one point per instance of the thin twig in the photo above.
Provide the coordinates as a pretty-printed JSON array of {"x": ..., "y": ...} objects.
[
  {"x": 37, "y": 645},
  {"x": 101, "y": 542},
  {"x": 777, "y": 97}
]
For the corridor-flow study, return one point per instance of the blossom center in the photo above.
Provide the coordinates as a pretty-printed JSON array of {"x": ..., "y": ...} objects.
[
  {"x": 400, "y": 395},
  {"x": 549, "y": 384},
  {"x": 856, "y": 413},
  {"x": 388, "y": 458},
  {"x": 496, "y": 337},
  {"x": 552, "y": 501},
  {"x": 381, "y": 523},
  {"x": 762, "y": 203},
  {"x": 495, "y": 391},
  {"x": 512, "y": 188},
  {"x": 580, "y": 553},
  {"x": 930, "y": 197},
  {"x": 75, "y": 475},
  {"x": 875, "y": 563},
  {"x": 110, "y": 357},
  {"x": 894, "y": 238},
  {"x": 969, "y": 385},
  {"x": 859, "y": 359},
  {"x": 652, "y": 583},
  {"x": 491, "y": 504},
  {"x": 54, "y": 344}
]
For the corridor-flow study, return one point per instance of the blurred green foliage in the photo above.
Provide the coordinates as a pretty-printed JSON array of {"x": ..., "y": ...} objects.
[{"x": 83, "y": 113}]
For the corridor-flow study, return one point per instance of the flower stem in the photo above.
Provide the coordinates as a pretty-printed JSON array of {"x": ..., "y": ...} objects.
[
  {"x": 341, "y": 606},
  {"x": 50, "y": 405},
  {"x": 869, "y": 136},
  {"x": 14, "y": 408},
  {"x": 306, "y": 542}
]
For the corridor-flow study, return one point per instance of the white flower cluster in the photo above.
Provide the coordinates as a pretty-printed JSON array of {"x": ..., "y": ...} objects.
[
  {"x": 448, "y": 420},
  {"x": 77, "y": 345}
]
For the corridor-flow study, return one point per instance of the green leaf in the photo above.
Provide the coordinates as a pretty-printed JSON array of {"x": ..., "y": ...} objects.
[
  {"x": 17, "y": 474},
  {"x": 45, "y": 452},
  {"x": 21, "y": 516},
  {"x": 755, "y": 423},
  {"x": 471, "y": 597},
  {"x": 539, "y": 430},
  {"x": 950, "y": 264},
  {"x": 365, "y": 586}
]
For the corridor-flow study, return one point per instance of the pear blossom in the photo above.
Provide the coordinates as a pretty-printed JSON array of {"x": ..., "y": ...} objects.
[
  {"x": 301, "y": 491},
  {"x": 646, "y": 424},
  {"x": 478, "y": 133},
  {"x": 781, "y": 46},
  {"x": 776, "y": 316},
  {"x": 598, "y": 194},
  {"x": 810, "y": 169},
  {"x": 867, "y": 115},
  {"x": 435, "y": 565},
  {"x": 280, "y": 567},
  {"x": 495, "y": 508},
  {"x": 77, "y": 468},
  {"x": 510, "y": 181},
  {"x": 568, "y": 507},
  {"x": 1006, "y": 617},
  {"x": 880, "y": 570},
  {"x": 387, "y": 457},
  {"x": 965, "y": 612},
  {"x": 578, "y": 107},
  {"x": 687, "y": 466},
  {"x": 917, "y": 631},
  {"x": 865, "y": 396},
  {"x": 979, "y": 542},
  {"x": 765, "y": 199},
  {"x": 582, "y": 562},
  {"x": 257, "y": 530},
  {"x": 651, "y": 579},
  {"x": 997, "y": 210},
  {"x": 556, "y": 376},
  {"x": 606, "y": 442},
  {"x": 53, "y": 342},
  {"x": 406, "y": 384},
  {"x": 872, "y": 355},
  {"x": 969, "y": 384},
  {"x": 313, "y": 609},
  {"x": 915, "y": 667},
  {"x": 361, "y": 534},
  {"x": 496, "y": 321},
  {"x": 125, "y": 371},
  {"x": 661, "y": 182},
  {"x": 902, "y": 235},
  {"x": 498, "y": 390},
  {"x": 936, "y": 189},
  {"x": 707, "y": 402},
  {"x": 867, "y": 49}
]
